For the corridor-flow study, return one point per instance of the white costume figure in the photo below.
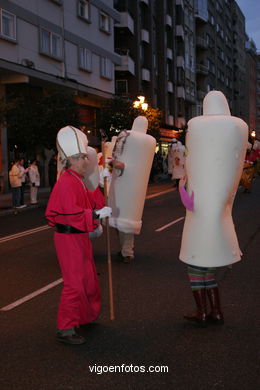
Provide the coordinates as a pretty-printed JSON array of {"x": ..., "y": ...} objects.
[
  {"x": 216, "y": 144},
  {"x": 127, "y": 191},
  {"x": 109, "y": 146},
  {"x": 178, "y": 160},
  {"x": 34, "y": 177},
  {"x": 91, "y": 177}
]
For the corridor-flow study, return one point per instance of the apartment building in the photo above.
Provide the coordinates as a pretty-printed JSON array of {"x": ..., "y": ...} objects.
[
  {"x": 157, "y": 45},
  {"x": 239, "y": 62},
  {"x": 53, "y": 45},
  {"x": 250, "y": 85}
]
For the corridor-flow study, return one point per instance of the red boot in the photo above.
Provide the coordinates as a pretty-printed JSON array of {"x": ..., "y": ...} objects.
[
  {"x": 215, "y": 316},
  {"x": 201, "y": 315}
]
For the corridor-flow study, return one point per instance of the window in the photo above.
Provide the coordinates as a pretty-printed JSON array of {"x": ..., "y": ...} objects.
[
  {"x": 51, "y": 44},
  {"x": 84, "y": 9},
  {"x": 121, "y": 87},
  {"x": 104, "y": 22},
  {"x": 7, "y": 24},
  {"x": 105, "y": 68},
  {"x": 85, "y": 59}
]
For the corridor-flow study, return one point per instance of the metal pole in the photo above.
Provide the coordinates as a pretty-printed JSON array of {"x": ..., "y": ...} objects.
[{"x": 109, "y": 264}]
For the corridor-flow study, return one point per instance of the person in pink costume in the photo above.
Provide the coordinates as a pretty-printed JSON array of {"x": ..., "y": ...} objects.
[{"x": 74, "y": 211}]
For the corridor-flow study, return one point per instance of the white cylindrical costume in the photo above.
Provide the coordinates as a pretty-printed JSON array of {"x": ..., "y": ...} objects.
[
  {"x": 127, "y": 192},
  {"x": 91, "y": 177},
  {"x": 216, "y": 144}
]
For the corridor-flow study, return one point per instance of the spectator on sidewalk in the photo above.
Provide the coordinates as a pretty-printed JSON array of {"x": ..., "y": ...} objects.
[
  {"x": 15, "y": 178},
  {"x": 34, "y": 177},
  {"x": 23, "y": 172}
]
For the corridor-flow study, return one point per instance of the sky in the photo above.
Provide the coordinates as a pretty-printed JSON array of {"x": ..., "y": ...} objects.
[{"x": 251, "y": 10}]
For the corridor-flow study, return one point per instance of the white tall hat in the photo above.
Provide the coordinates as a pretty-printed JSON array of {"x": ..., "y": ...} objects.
[{"x": 71, "y": 141}]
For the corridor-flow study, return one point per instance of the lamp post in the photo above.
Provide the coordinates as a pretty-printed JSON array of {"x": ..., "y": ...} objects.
[{"x": 140, "y": 103}]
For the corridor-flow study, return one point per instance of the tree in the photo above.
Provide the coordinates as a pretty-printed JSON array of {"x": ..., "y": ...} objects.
[
  {"x": 33, "y": 122},
  {"x": 118, "y": 114}
]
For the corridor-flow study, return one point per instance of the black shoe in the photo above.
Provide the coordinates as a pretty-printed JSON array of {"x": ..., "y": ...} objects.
[{"x": 74, "y": 339}]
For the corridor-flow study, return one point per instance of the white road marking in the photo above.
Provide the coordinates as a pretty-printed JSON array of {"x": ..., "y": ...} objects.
[
  {"x": 30, "y": 296},
  {"x": 160, "y": 193},
  {"x": 169, "y": 224},
  {"x": 24, "y": 233},
  {"x": 53, "y": 284}
]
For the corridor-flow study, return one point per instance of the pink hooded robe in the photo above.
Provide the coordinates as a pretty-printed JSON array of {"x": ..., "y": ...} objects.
[{"x": 71, "y": 203}]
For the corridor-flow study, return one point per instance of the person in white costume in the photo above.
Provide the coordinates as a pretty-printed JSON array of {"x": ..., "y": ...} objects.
[
  {"x": 216, "y": 144},
  {"x": 178, "y": 162},
  {"x": 135, "y": 149},
  {"x": 34, "y": 177}
]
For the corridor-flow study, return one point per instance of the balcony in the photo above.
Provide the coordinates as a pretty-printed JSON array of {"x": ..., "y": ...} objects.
[
  {"x": 170, "y": 87},
  {"x": 179, "y": 31},
  {"x": 201, "y": 10},
  {"x": 145, "y": 36},
  {"x": 169, "y": 53},
  {"x": 202, "y": 43},
  {"x": 202, "y": 69},
  {"x": 127, "y": 65},
  {"x": 181, "y": 92},
  {"x": 168, "y": 20},
  {"x": 146, "y": 74},
  {"x": 126, "y": 21},
  {"x": 180, "y": 62}
]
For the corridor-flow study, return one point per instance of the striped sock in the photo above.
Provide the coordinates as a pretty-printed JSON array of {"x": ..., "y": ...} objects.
[{"x": 201, "y": 277}]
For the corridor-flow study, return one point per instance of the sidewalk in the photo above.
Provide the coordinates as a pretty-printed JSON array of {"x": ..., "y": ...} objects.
[{"x": 44, "y": 193}]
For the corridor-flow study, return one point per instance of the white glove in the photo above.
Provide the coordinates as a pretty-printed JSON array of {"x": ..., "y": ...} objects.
[{"x": 104, "y": 212}]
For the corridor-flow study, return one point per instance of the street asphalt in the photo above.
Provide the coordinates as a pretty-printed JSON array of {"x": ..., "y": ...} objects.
[{"x": 151, "y": 295}]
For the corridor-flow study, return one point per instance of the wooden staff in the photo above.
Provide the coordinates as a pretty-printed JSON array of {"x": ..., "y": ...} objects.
[{"x": 109, "y": 264}]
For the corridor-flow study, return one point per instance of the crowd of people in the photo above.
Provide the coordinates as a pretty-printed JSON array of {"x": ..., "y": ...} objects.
[{"x": 19, "y": 177}]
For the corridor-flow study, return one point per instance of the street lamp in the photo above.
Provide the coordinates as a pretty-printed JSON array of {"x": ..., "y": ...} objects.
[
  {"x": 253, "y": 134},
  {"x": 140, "y": 103}
]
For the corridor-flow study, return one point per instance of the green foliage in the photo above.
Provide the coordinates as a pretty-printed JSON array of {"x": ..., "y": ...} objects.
[
  {"x": 118, "y": 114},
  {"x": 36, "y": 122}
]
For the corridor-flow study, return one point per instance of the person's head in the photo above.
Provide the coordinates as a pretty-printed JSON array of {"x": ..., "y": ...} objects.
[
  {"x": 16, "y": 161},
  {"x": 78, "y": 162},
  {"x": 34, "y": 162},
  {"x": 21, "y": 162},
  {"x": 72, "y": 146}
]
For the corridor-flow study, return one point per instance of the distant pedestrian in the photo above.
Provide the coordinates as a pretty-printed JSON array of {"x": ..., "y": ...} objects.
[
  {"x": 15, "y": 178},
  {"x": 34, "y": 177}
]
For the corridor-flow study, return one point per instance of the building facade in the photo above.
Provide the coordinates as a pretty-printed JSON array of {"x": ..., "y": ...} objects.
[
  {"x": 54, "y": 45},
  {"x": 251, "y": 85}
]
